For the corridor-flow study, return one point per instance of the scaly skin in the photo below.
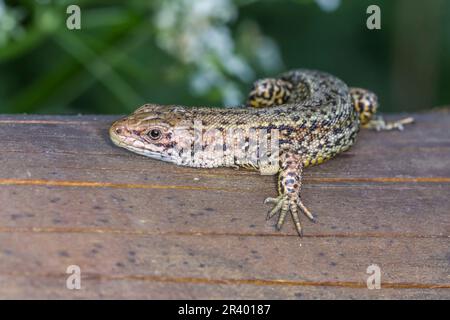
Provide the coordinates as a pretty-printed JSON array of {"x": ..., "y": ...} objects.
[{"x": 304, "y": 116}]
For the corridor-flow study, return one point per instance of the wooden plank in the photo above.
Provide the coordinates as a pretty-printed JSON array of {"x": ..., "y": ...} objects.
[
  {"x": 376, "y": 210},
  {"x": 340, "y": 260},
  {"x": 137, "y": 288},
  {"x": 145, "y": 229},
  {"x": 428, "y": 140},
  {"x": 269, "y": 262}
]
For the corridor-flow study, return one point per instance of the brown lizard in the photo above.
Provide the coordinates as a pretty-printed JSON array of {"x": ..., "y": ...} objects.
[{"x": 299, "y": 119}]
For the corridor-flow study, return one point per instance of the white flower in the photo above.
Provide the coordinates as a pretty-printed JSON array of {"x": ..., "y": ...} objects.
[
  {"x": 197, "y": 33},
  {"x": 328, "y": 5}
]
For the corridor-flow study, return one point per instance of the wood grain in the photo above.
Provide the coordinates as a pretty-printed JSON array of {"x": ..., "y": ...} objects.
[{"x": 140, "y": 228}]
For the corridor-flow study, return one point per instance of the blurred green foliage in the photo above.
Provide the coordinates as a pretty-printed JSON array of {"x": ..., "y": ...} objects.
[{"x": 133, "y": 52}]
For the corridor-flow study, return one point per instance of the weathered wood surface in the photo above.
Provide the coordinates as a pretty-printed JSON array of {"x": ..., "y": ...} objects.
[{"x": 139, "y": 228}]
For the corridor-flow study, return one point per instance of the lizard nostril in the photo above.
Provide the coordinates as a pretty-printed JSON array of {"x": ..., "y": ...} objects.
[{"x": 118, "y": 131}]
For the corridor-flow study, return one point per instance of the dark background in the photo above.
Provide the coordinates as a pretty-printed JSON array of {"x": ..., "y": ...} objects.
[{"x": 208, "y": 52}]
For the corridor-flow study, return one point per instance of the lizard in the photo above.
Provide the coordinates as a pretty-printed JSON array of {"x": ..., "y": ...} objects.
[{"x": 306, "y": 116}]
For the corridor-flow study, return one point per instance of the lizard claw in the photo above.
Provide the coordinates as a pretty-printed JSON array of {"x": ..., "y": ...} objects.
[
  {"x": 306, "y": 210},
  {"x": 283, "y": 204},
  {"x": 278, "y": 204},
  {"x": 271, "y": 200}
]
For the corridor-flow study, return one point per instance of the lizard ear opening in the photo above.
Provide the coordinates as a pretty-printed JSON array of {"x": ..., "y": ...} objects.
[{"x": 269, "y": 92}]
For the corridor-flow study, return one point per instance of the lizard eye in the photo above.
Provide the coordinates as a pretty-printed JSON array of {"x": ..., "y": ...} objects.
[{"x": 155, "y": 134}]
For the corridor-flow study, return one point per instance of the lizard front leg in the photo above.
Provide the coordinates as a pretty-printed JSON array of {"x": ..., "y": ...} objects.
[{"x": 289, "y": 187}]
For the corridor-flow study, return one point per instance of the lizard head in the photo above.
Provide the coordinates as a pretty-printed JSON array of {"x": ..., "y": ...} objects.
[
  {"x": 151, "y": 131},
  {"x": 269, "y": 92}
]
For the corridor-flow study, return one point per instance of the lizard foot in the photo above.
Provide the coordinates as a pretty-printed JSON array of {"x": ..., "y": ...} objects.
[
  {"x": 380, "y": 124},
  {"x": 283, "y": 204}
]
